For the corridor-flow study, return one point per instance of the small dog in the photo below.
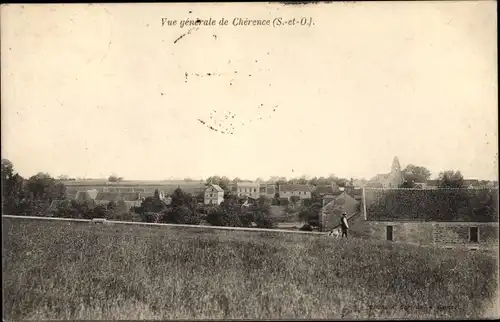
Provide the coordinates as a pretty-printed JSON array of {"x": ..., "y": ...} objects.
[{"x": 334, "y": 233}]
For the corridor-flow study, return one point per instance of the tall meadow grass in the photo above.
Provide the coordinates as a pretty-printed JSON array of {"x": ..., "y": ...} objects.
[{"x": 54, "y": 270}]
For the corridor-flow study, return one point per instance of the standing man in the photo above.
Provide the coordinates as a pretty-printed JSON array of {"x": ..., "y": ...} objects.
[{"x": 344, "y": 225}]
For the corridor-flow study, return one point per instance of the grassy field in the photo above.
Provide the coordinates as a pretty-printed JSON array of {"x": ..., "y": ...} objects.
[{"x": 55, "y": 270}]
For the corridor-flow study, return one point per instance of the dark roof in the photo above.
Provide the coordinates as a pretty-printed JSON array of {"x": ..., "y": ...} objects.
[
  {"x": 217, "y": 188},
  {"x": 268, "y": 189},
  {"x": 324, "y": 189},
  {"x": 115, "y": 196},
  {"x": 86, "y": 195},
  {"x": 295, "y": 187},
  {"x": 247, "y": 184}
]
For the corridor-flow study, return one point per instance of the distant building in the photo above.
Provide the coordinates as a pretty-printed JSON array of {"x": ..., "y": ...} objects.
[
  {"x": 267, "y": 190},
  {"x": 423, "y": 220},
  {"x": 390, "y": 180},
  {"x": 286, "y": 191},
  {"x": 214, "y": 195},
  {"x": 355, "y": 193},
  {"x": 358, "y": 183},
  {"x": 161, "y": 194},
  {"x": 247, "y": 189},
  {"x": 324, "y": 190},
  {"x": 335, "y": 206},
  {"x": 87, "y": 195},
  {"x": 131, "y": 199}
]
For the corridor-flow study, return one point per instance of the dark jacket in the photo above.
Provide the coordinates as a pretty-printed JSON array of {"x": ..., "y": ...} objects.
[{"x": 343, "y": 223}]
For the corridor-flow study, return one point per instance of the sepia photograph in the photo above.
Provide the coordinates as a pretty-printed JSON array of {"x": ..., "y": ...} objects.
[{"x": 258, "y": 161}]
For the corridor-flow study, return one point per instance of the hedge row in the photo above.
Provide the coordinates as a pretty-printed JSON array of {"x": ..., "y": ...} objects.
[{"x": 478, "y": 205}]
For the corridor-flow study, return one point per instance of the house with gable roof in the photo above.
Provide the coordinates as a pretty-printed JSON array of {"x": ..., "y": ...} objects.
[
  {"x": 335, "y": 205},
  {"x": 86, "y": 195},
  {"x": 131, "y": 199},
  {"x": 286, "y": 191},
  {"x": 214, "y": 195},
  {"x": 267, "y": 190},
  {"x": 247, "y": 189}
]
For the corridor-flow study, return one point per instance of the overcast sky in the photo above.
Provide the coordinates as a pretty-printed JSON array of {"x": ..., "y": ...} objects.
[{"x": 94, "y": 90}]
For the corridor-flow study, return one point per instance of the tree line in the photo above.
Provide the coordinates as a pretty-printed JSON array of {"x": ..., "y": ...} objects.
[{"x": 35, "y": 195}]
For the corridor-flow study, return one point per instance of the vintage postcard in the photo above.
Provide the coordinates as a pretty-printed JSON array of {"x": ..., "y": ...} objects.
[{"x": 321, "y": 160}]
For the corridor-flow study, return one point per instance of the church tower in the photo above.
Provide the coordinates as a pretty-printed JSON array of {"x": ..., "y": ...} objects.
[
  {"x": 396, "y": 176},
  {"x": 396, "y": 167}
]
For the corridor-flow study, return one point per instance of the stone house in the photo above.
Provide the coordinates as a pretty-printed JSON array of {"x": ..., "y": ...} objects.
[
  {"x": 161, "y": 194},
  {"x": 286, "y": 191},
  {"x": 214, "y": 195},
  {"x": 247, "y": 189},
  {"x": 131, "y": 199},
  {"x": 429, "y": 220},
  {"x": 334, "y": 206},
  {"x": 471, "y": 234},
  {"x": 267, "y": 190},
  {"x": 87, "y": 195},
  {"x": 324, "y": 190}
]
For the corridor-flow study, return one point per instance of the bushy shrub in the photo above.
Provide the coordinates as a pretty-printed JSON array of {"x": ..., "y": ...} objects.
[
  {"x": 151, "y": 217},
  {"x": 306, "y": 227},
  {"x": 181, "y": 214},
  {"x": 263, "y": 220},
  {"x": 221, "y": 216}
]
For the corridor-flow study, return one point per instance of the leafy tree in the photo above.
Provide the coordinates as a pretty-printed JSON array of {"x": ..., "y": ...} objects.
[
  {"x": 310, "y": 214},
  {"x": 84, "y": 209},
  {"x": 450, "y": 179},
  {"x": 151, "y": 204},
  {"x": 281, "y": 180},
  {"x": 100, "y": 211},
  {"x": 12, "y": 189},
  {"x": 181, "y": 198},
  {"x": 306, "y": 227},
  {"x": 342, "y": 182},
  {"x": 416, "y": 174},
  {"x": 45, "y": 188},
  {"x": 224, "y": 216},
  {"x": 213, "y": 180},
  {"x": 182, "y": 214},
  {"x": 65, "y": 209},
  {"x": 313, "y": 181},
  {"x": 222, "y": 182},
  {"x": 294, "y": 200},
  {"x": 111, "y": 206},
  {"x": 263, "y": 220},
  {"x": 151, "y": 217},
  {"x": 407, "y": 184},
  {"x": 114, "y": 178}
]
